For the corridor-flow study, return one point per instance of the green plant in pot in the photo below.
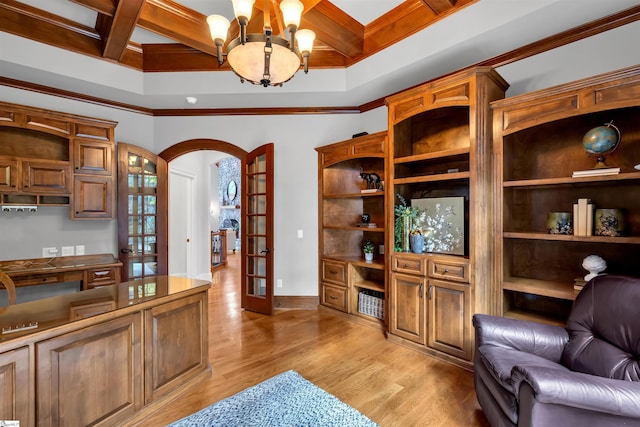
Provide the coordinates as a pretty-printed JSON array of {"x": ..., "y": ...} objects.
[
  {"x": 368, "y": 249},
  {"x": 405, "y": 215}
]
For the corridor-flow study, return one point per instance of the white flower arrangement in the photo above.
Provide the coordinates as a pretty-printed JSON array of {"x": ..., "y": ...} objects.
[{"x": 439, "y": 233}]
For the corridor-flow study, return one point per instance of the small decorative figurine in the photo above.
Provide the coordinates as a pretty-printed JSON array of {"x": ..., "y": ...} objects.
[
  {"x": 595, "y": 265},
  {"x": 373, "y": 180}
]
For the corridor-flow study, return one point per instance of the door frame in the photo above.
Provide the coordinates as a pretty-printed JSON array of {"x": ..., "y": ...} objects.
[
  {"x": 185, "y": 246},
  {"x": 198, "y": 144}
]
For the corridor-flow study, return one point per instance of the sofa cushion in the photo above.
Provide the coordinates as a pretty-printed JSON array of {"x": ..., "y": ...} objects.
[{"x": 604, "y": 337}]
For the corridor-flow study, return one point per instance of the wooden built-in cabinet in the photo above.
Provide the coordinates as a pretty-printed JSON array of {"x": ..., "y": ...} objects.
[
  {"x": 56, "y": 159},
  {"x": 538, "y": 145},
  {"x": 439, "y": 145},
  {"x": 104, "y": 357},
  {"x": 344, "y": 274}
]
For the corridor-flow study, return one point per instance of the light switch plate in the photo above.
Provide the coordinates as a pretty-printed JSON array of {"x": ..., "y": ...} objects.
[
  {"x": 68, "y": 251},
  {"x": 79, "y": 249}
]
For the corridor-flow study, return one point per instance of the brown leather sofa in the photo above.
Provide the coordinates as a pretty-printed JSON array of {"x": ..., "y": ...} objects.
[{"x": 587, "y": 374}]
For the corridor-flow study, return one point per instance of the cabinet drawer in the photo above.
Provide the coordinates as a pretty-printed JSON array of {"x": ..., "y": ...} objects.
[
  {"x": 334, "y": 297},
  {"x": 101, "y": 277},
  {"x": 405, "y": 263},
  {"x": 449, "y": 270},
  {"x": 333, "y": 271}
]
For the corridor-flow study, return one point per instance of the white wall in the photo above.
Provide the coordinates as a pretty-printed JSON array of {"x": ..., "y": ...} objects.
[
  {"x": 24, "y": 236},
  {"x": 294, "y": 138}
]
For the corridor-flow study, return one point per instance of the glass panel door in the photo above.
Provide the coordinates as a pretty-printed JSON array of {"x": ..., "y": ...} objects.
[
  {"x": 140, "y": 236},
  {"x": 257, "y": 229}
]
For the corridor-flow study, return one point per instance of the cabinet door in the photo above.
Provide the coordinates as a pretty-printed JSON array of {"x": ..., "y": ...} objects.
[
  {"x": 177, "y": 349},
  {"x": 92, "y": 376},
  {"x": 16, "y": 387},
  {"x": 93, "y": 157},
  {"x": 8, "y": 175},
  {"x": 93, "y": 197},
  {"x": 408, "y": 307},
  {"x": 46, "y": 177},
  {"x": 449, "y": 318}
]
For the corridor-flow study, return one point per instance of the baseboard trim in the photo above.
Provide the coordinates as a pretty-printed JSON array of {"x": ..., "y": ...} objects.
[{"x": 296, "y": 302}]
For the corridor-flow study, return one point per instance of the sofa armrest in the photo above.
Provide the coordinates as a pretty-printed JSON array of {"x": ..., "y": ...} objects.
[
  {"x": 543, "y": 340},
  {"x": 578, "y": 390}
]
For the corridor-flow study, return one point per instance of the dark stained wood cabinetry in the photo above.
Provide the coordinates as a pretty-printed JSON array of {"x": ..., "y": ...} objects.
[
  {"x": 345, "y": 276},
  {"x": 106, "y": 356},
  {"x": 16, "y": 383},
  {"x": 50, "y": 158},
  {"x": 91, "y": 376},
  {"x": 538, "y": 145},
  {"x": 440, "y": 146}
]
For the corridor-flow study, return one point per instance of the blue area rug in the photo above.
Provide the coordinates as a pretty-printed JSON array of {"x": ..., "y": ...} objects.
[{"x": 286, "y": 400}]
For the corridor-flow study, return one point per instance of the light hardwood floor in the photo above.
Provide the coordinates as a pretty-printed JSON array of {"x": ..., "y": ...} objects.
[{"x": 392, "y": 385}]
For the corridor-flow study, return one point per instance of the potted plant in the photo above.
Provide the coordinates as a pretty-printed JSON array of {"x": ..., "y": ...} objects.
[
  {"x": 367, "y": 248},
  {"x": 405, "y": 215}
]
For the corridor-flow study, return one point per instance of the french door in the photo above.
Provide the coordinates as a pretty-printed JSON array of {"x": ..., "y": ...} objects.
[
  {"x": 257, "y": 230},
  {"x": 142, "y": 212}
]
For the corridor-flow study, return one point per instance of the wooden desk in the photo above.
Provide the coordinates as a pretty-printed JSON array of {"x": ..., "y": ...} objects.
[
  {"x": 106, "y": 356},
  {"x": 90, "y": 270}
]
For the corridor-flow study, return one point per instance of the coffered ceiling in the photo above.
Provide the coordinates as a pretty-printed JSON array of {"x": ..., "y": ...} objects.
[{"x": 153, "y": 53}]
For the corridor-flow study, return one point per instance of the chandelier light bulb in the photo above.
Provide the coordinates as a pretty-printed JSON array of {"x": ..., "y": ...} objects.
[
  {"x": 305, "y": 40},
  {"x": 243, "y": 8},
  {"x": 218, "y": 26},
  {"x": 291, "y": 12}
]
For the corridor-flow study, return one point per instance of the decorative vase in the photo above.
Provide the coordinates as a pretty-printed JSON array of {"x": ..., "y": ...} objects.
[
  {"x": 609, "y": 222},
  {"x": 559, "y": 223},
  {"x": 368, "y": 257},
  {"x": 417, "y": 243},
  {"x": 406, "y": 233},
  {"x": 365, "y": 218}
]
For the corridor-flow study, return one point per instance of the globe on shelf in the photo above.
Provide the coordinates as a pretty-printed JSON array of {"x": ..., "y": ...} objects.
[{"x": 601, "y": 140}]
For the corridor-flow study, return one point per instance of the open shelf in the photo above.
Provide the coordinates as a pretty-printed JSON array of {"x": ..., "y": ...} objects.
[
  {"x": 572, "y": 181},
  {"x": 560, "y": 290},
  {"x": 432, "y": 178},
  {"x": 571, "y": 238},
  {"x": 439, "y": 155}
]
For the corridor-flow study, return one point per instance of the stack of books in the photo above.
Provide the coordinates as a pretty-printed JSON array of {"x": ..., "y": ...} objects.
[
  {"x": 366, "y": 224},
  {"x": 583, "y": 218},
  {"x": 596, "y": 172},
  {"x": 579, "y": 283}
]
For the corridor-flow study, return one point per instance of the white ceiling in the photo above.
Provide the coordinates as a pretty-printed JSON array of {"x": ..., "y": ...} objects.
[{"x": 477, "y": 32}]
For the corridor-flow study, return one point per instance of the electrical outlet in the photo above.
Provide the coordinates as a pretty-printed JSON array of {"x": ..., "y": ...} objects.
[
  {"x": 279, "y": 283},
  {"x": 68, "y": 251},
  {"x": 300, "y": 234},
  {"x": 49, "y": 252},
  {"x": 79, "y": 249}
]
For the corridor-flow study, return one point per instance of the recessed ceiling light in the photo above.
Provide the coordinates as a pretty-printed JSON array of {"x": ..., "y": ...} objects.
[{"x": 191, "y": 99}]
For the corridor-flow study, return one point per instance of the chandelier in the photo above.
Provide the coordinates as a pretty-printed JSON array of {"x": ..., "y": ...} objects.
[{"x": 264, "y": 59}]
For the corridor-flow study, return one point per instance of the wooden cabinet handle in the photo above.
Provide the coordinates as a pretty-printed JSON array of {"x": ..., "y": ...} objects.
[
  {"x": 333, "y": 297},
  {"x": 420, "y": 290},
  {"x": 430, "y": 292}
]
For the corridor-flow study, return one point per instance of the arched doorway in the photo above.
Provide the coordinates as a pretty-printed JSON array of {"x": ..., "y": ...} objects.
[{"x": 186, "y": 254}]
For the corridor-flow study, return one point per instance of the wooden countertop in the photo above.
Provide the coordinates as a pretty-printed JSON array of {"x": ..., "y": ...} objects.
[
  {"x": 54, "y": 312},
  {"x": 26, "y": 267}
]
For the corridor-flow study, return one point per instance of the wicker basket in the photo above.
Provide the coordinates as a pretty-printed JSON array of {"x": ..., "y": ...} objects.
[{"x": 371, "y": 303}]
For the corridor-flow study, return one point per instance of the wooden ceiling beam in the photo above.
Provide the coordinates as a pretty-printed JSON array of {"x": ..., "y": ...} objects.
[
  {"x": 35, "y": 24},
  {"x": 406, "y": 19},
  {"x": 439, "y": 6},
  {"x": 104, "y": 7},
  {"x": 335, "y": 28},
  {"x": 179, "y": 23},
  {"x": 124, "y": 21}
]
